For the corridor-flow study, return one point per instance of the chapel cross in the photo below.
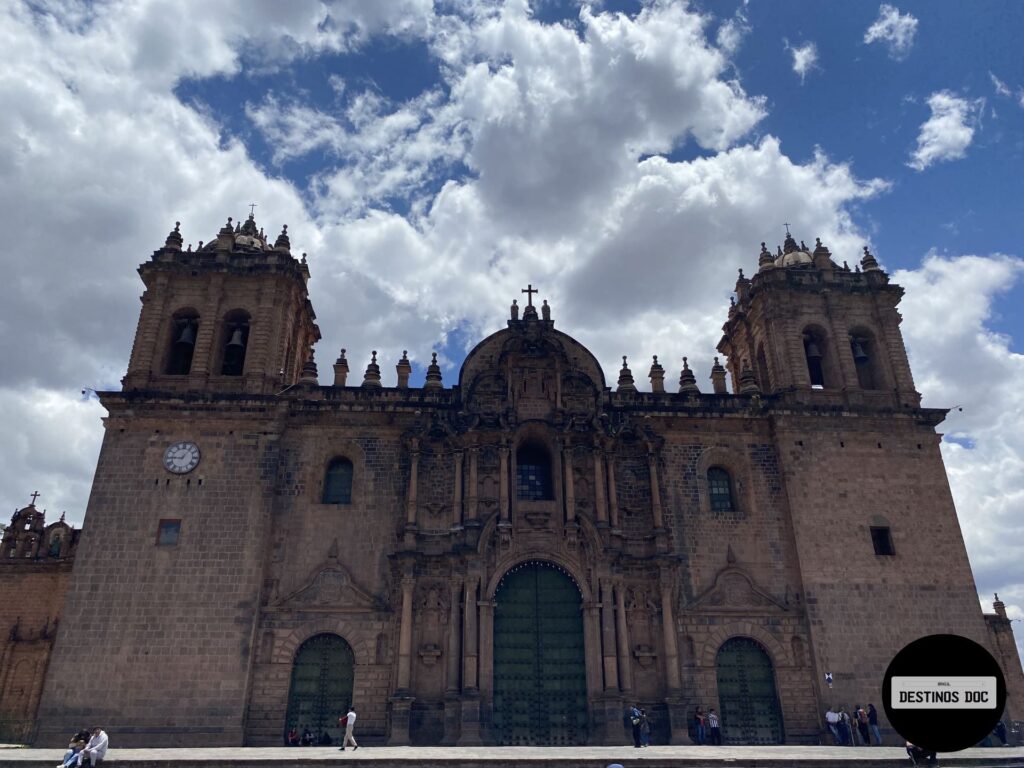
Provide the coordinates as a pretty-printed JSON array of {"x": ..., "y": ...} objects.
[
  {"x": 252, "y": 209},
  {"x": 35, "y": 495},
  {"x": 786, "y": 225},
  {"x": 529, "y": 290}
]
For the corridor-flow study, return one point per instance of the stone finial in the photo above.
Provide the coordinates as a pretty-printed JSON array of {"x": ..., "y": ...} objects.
[
  {"x": 821, "y": 257},
  {"x": 626, "y": 378},
  {"x": 433, "y": 380},
  {"x": 748, "y": 384},
  {"x": 283, "y": 243},
  {"x": 999, "y": 606},
  {"x": 514, "y": 309},
  {"x": 778, "y": 251},
  {"x": 371, "y": 379},
  {"x": 718, "y": 378},
  {"x": 869, "y": 262},
  {"x": 340, "y": 370},
  {"x": 657, "y": 376},
  {"x": 846, "y": 267},
  {"x": 226, "y": 237},
  {"x": 174, "y": 239},
  {"x": 765, "y": 260},
  {"x": 545, "y": 311},
  {"x": 789, "y": 244},
  {"x": 687, "y": 381},
  {"x": 309, "y": 372},
  {"x": 404, "y": 368}
]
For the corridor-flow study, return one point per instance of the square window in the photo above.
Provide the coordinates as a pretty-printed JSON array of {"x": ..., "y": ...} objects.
[
  {"x": 167, "y": 533},
  {"x": 881, "y": 537}
]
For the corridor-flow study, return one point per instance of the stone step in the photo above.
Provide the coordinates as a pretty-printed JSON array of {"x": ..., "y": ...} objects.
[{"x": 521, "y": 757}]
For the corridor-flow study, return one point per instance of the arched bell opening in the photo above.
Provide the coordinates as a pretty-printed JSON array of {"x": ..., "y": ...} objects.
[
  {"x": 865, "y": 359},
  {"x": 234, "y": 342},
  {"x": 818, "y": 355},
  {"x": 182, "y": 344},
  {"x": 540, "y": 677},
  {"x": 321, "y": 688},
  {"x": 750, "y": 711}
]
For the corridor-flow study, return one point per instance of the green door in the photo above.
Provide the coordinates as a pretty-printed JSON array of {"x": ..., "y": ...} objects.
[
  {"x": 750, "y": 712},
  {"x": 540, "y": 683},
  {"x": 321, "y": 689}
]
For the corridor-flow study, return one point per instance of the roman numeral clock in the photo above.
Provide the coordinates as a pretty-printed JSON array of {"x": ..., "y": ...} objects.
[{"x": 181, "y": 458}]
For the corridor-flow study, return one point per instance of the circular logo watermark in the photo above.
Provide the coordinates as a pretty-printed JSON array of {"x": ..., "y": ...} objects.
[{"x": 944, "y": 693}]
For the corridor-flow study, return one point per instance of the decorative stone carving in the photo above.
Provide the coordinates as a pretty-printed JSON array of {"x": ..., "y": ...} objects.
[
  {"x": 734, "y": 590},
  {"x": 330, "y": 588}
]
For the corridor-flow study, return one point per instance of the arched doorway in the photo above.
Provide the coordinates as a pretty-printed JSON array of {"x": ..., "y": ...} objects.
[
  {"x": 540, "y": 681},
  {"x": 321, "y": 688},
  {"x": 746, "y": 693}
]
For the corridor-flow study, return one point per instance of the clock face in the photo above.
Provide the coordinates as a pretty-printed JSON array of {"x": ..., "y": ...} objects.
[{"x": 181, "y": 458}]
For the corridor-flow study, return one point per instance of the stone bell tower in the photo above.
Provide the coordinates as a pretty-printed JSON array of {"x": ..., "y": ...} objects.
[
  {"x": 233, "y": 315},
  {"x": 804, "y": 324}
]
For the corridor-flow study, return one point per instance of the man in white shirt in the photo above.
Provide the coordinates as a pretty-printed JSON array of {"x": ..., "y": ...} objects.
[
  {"x": 350, "y": 722},
  {"x": 96, "y": 749}
]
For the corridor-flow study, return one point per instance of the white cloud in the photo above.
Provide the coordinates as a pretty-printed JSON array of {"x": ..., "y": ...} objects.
[
  {"x": 958, "y": 360},
  {"x": 893, "y": 29},
  {"x": 1001, "y": 88},
  {"x": 731, "y": 33},
  {"x": 805, "y": 58},
  {"x": 948, "y": 132}
]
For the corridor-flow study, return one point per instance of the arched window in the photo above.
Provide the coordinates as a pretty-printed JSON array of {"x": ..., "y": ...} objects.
[
  {"x": 235, "y": 340},
  {"x": 184, "y": 329},
  {"x": 533, "y": 473},
  {"x": 720, "y": 490},
  {"x": 338, "y": 482}
]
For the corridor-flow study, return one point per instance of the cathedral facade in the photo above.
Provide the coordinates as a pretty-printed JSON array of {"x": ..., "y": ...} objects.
[{"x": 517, "y": 556}]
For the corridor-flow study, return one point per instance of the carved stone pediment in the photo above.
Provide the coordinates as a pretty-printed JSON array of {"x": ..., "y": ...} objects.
[
  {"x": 734, "y": 590},
  {"x": 330, "y": 589}
]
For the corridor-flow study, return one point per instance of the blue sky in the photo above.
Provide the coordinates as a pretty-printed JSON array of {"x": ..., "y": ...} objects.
[{"x": 435, "y": 157}]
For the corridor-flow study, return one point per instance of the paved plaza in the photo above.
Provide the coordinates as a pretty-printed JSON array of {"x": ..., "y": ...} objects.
[{"x": 524, "y": 757}]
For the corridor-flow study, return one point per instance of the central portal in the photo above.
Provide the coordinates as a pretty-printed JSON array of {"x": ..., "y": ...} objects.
[{"x": 540, "y": 683}]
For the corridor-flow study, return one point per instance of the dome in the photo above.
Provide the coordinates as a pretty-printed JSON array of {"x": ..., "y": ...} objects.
[{"x": 793, "y": 255}]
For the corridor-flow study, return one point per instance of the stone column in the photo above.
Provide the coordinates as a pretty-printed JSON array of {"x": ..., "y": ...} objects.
[
  {"x": 401, "y": 701},
  {"x": 622, "y": 640},
  {"x": 469, "y": 727},
  {"x": 570, "y": 492},
  {"x": 457, "y": 495},
  {"x": 611, "y": 671},
  {"x": 668, "y": 622},
  {"x": 410, "y": 496},
  {"x": 471, "y": 510},
  {"x": 452, "y": 708},
  {"x": 469, "y": 638},
  {"x": 592, "y": 642},
  {"x": 405, "y": 635},
  {"x": 613, "y": 496},
  {"x": 503, "y": 487},
  {"x": 486, "y": 673},
  {"x": 599, "y": 501},
  {"x": 454, "y": 636},
  {"x": 652, "y": 468}
]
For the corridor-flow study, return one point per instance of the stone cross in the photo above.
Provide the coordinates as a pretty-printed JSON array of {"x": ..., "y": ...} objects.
[
  {"x": 35, "y": 495},
  {"x": 529, "y": 290}
]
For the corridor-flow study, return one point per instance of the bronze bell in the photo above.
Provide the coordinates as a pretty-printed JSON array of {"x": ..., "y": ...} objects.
[
  {"x": 812, "y": 350},
  {"x": 188, "y": 335},
  {"x": 236, "y": 338},
  {"x": 859, "y": 355}
]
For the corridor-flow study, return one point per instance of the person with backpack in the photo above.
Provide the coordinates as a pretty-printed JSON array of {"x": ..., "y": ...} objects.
[{"x": 635, "y": 719}]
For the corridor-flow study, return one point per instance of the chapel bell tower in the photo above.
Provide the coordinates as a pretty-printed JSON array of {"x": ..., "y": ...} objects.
[
  {"x": 827, "y": 333},
  {"x": 233, "y": 315}
]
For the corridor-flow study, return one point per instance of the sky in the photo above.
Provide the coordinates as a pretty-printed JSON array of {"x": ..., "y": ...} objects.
[{"x": 435, "y": 157}]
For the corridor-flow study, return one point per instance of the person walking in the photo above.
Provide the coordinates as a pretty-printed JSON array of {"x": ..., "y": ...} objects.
[
  {"x": 349, "y": 721},
  {"x": 635, "y": 719},
  {"x": 845, "y": 737},
  {"x": 873, "y": 724},
  {"x": 645, "y": 729},
  {"x": 714, "y": 728},
  {"x": 699, "y": 731}
]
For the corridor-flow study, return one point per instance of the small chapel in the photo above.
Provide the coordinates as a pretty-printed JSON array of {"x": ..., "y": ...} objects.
[{"x": 513, "y": 557}]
